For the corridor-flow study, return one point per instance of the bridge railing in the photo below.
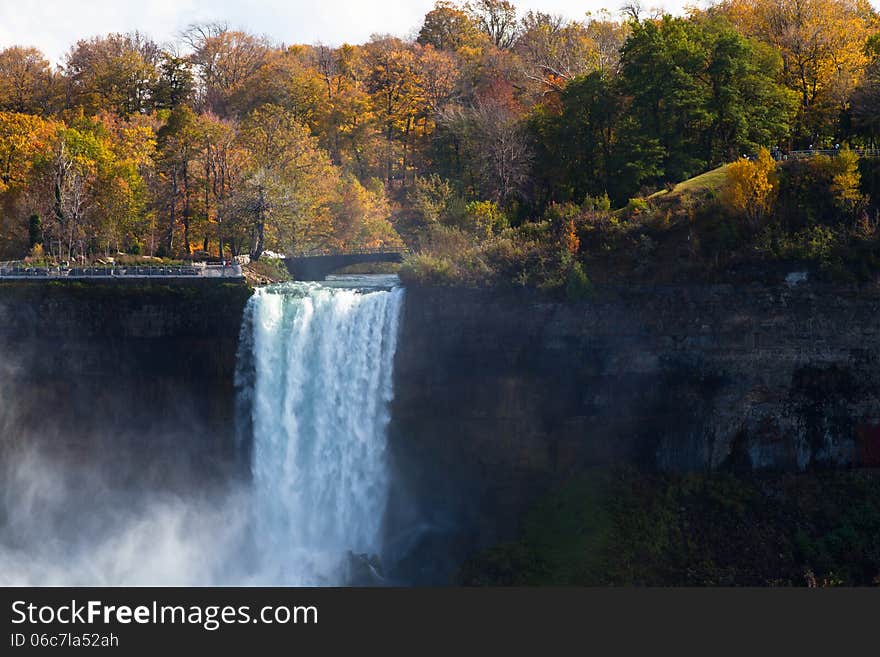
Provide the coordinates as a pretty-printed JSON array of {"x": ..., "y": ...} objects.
[
  {"x": 312, "y": 253},
  {"x": 830, "y": 152}
]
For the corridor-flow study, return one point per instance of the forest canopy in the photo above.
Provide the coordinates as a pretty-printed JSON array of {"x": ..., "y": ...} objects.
[{"x": 485, "y": 127}]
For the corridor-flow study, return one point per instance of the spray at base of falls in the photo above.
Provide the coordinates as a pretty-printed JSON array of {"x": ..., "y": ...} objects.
[
  {"x": 313, "y": 384},
  {"x": 315, "y": 376}
]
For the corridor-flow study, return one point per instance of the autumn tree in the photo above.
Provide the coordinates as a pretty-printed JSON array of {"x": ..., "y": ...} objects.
[
  {"x": 822, "y": 45},
  {"x": 118, "y": 72},
  {"x": 120, "y": 218},
  {"x": 752, "y": 187},
  {"x": 360, "y": 215},
  {"x": 180, "y": 143},
  {"x": 495, "y": 145},
  {"x": 221, "y": 160},
  {"x": 286, "y": 185},
  {"x": 223, "y": 60},
  {"x": 438, "y": 78},
  {"x": 846, "y": 181},
  {"x": 398, "y": 100},
  {"x": 227, "y": 142},
  {"x": 497, "y": 19},
  {"x": 348, "y": 128},
  {"x": 608, "y": 37},
  {"x": 26, "y": 81},
  {"x": 865, "y": 103},
  {"x": 554, "y": 51},
  {"x": 286, "y": 80},
  {"x": 25, "y": 141},
  {"x": 70, "y": 177},
  {"x": 22, "y": 138},
  {"x": 449, "y": 27}
]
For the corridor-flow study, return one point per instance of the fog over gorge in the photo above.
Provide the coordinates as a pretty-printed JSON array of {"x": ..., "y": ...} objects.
[{"x": 62, "y": 531}]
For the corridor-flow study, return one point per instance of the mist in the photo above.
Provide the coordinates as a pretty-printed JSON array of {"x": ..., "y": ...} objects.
[
  {"x": 63, "y": 528},
  {"x": 117, "y": 479}
]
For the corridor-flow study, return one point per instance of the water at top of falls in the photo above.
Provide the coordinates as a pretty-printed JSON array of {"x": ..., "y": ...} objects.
[
  {"x": 363, "y": 281},
  {"x": 321, "y": 359}
]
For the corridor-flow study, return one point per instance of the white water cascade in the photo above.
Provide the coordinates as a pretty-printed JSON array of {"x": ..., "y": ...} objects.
[{"x": 321, "y": 362}]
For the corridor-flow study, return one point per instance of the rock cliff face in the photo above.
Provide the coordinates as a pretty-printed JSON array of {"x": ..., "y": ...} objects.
[
  {"x": 500, "y": 396},
  {"x": 134, "y": 378}
]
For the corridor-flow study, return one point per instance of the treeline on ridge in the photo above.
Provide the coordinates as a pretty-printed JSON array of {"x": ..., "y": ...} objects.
[{"x": 494, "y": 140}]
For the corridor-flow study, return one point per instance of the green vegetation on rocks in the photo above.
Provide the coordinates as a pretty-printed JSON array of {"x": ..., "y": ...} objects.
[{"x": 627, "y": 528}]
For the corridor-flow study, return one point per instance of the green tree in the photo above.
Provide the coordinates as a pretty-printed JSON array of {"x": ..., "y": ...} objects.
[
  {"x": 704, "y": 92},
  {"x": 176, "y": 83},
  {"x": 592, "y": 146}
]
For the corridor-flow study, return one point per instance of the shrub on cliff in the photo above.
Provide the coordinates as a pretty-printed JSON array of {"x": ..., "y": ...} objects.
[
  {"x": 578, "y": 285},
  {"x": 427, "y": 269},
  {"x": 820, "y": 190},
  {"x": 485, "y": 218},
  {"x": 752, "y": 187},
  {"x": 513, "y": 258}
]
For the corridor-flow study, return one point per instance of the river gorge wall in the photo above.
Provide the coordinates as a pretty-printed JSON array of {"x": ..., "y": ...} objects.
[
  {"x": 133, "y": 378},
  {"x": 499, "y": 396}
]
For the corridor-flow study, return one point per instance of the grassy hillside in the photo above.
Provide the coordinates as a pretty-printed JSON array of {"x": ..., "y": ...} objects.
[{"x": 709, "y": 183}]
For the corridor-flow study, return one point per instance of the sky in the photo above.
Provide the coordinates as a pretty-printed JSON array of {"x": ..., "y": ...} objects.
[{"x": 55, "y": 25}]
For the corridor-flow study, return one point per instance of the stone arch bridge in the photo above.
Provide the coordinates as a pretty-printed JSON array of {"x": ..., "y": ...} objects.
[{"x": 316, "y": 265}]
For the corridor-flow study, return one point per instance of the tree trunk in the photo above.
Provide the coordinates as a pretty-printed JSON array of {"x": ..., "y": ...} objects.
[
  {"x": 259, "y": 235},
  {"x": 259, "y": 240},
  {"x": 186, "y": 208},
  {"x": 208, "y": 200},
  {"x": 172, "y": 214}
]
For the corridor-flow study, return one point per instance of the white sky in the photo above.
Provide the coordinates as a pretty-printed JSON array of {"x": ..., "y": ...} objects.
[{"x": 55, "y": 25}]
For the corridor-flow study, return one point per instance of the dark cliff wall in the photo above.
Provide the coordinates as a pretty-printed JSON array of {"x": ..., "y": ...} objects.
[
  {"x": 500, "y": 396},
  {"x": 134, "y": 378}
]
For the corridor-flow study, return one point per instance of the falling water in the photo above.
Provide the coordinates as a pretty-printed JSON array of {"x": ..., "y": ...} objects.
[{"x": 319, "y": 384}]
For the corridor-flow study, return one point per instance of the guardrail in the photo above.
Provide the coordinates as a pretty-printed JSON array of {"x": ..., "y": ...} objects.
[
  {"x": 830, "y": 152},
  {"x": 20, "y": 271}
]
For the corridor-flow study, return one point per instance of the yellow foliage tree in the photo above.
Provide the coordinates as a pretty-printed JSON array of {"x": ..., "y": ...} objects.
[
  {"x": 752, "y": 186},
  {"x": 485, "y": 218},
  {"x": 361, "y": 215},
  {"x": 22, "y": 138},
  {"x": 822, "y": 43},
  {"x": 846, "y": 180}
]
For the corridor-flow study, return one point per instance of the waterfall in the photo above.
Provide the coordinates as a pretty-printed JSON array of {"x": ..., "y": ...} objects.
[{"x": 317, "y": 389}]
